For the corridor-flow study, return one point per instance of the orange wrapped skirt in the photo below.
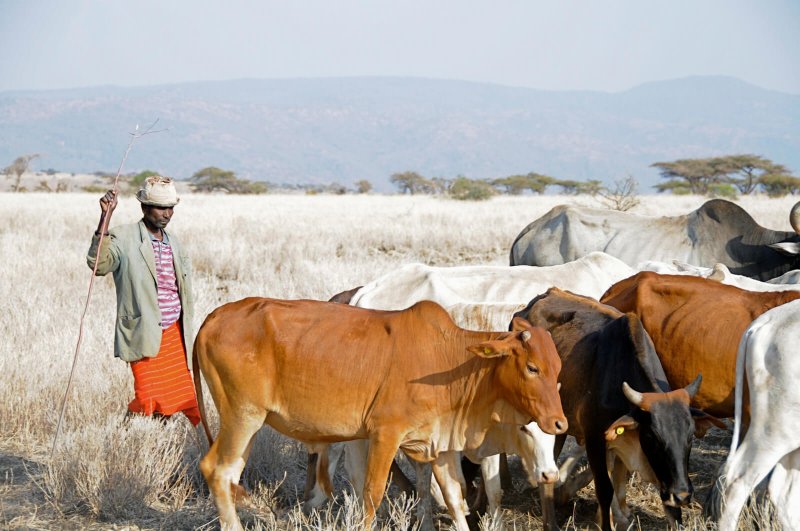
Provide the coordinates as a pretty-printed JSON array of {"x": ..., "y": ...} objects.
[{"x": 163, "y": 384}]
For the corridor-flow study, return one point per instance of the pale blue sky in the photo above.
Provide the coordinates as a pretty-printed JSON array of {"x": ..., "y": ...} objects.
[{"x": 608, "y": 45}]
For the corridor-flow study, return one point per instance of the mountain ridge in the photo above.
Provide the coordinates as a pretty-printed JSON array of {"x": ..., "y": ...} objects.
[{"x": 323, "y": 130}]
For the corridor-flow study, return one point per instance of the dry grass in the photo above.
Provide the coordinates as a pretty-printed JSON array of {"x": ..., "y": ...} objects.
[{"x": 142, "y": 474}]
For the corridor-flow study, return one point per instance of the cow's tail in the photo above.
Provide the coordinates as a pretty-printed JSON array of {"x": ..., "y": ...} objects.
[
  {"x": 738, "y": 391},
  {"x": 198, "y": 390}
]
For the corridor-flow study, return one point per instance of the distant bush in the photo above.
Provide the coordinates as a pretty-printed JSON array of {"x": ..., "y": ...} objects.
[
  {"x": 213, "y": 179},
  {"x": 136, "y": 181},
  {"x": 466, "y": 189},
  {"x": 363, "y": 186}
]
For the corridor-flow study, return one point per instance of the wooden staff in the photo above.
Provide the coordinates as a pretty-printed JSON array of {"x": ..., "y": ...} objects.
[{"x": 104, "y": 221}]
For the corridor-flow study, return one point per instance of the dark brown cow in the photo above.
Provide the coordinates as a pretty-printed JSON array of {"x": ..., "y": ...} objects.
[
  {"x": 695, "y": 324},
  {"x": 323, "y": 372},
  {"x": 617, "y": 401}
]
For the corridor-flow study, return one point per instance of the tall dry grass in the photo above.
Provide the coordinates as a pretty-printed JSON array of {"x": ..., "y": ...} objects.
[{"x": 143, "y": 474}]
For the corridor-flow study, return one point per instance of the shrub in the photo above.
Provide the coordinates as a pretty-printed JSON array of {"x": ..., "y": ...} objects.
[{"x": 465, "y": 189}]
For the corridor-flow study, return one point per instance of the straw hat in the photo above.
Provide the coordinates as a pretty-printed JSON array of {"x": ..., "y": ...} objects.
[{"x": 158, "y": 191}]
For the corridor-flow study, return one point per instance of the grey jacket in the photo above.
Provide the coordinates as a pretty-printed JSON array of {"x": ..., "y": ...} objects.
[{"x": 128, "y": 254}]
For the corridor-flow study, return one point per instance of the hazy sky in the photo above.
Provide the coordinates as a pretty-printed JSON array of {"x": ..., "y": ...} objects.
[{"x": 606, "y": 45}]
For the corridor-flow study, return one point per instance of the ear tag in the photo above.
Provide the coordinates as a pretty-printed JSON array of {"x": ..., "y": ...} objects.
[
  {"x": 620, "y": 430},
  {"x": 487, "y": 350}
]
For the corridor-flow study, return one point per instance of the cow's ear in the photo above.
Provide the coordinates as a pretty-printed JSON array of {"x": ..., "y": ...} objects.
[
  {"x": 704, "y": 422},
  {"x": 620, "y": 426},
  {"x": 519, "y": 324},
  {"x": 787, "y": 248},
  {"x": 490, "y": 349}
]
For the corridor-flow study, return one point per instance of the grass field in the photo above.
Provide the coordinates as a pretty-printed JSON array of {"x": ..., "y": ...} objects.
[{"x": 141, "y": 475}]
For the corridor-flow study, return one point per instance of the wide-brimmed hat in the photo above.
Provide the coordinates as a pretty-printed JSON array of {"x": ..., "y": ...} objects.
[{"x": 158, "y": 191}]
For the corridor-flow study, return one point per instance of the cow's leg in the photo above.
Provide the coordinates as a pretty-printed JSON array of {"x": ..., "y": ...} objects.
[
  {"x": 382, "y": 449},
  {"x": 604, "y": 490},
  {"x": 745, "y": 469},
  {"x": 399, "y": 478},
  {"x": 322, "y": 488},
  {"x": 427, "y": 491},
  {"x": 223, "y": 464},
  {"x": 547, "y": 491},
  {"x": 505, "y": 473},
  {"x": 491, "y": 472},
  {"x": 447, "y": 470},
  {"x": 355, "y": 462},
  {"x": 476, "y": 494},
  {"x": 784, "y": 490},
  {"x": 619, "y": 478},
  {"x": 311, "y": 476}
]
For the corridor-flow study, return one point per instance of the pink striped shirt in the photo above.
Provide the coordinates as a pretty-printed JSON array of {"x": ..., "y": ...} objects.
[{"x": 169, "y": 301}]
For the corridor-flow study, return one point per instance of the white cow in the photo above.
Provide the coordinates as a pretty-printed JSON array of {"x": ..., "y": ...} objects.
[
  {"x": 768, "y": 359},
  {"x": 722, "y": 274},
  {"x": 717, "y": 232},
  {"x": 485, "y": 298},
  {"x": 590, "y": 275}
]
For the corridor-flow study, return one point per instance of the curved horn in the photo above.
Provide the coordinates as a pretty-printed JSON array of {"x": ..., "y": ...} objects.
[
  {"x": 794, "y": 217},
  {"x": 693, "y": 387},
  {"x": 635, "y": 397},
  {"x": 526, "y": 335}
]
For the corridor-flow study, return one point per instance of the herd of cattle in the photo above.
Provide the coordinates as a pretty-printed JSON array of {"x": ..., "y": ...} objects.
[{"x": 602, "y": 331}]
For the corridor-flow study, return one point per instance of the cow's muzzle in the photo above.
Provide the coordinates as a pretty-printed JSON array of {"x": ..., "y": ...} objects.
[{"x": 676, "y": 499}]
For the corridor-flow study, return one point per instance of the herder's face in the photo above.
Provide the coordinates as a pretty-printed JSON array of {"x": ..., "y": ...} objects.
[{"x": 156, "y": 217}]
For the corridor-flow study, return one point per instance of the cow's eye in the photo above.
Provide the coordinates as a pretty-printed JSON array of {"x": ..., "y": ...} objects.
[{"x": 533, "y": 369}]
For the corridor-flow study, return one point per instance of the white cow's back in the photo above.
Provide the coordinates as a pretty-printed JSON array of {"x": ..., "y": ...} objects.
[
  {"x": 722, "y": 274},
  {"x": 464, "y": 285}
]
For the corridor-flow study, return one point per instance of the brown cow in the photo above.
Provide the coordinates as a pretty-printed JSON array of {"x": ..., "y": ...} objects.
[
  {"x": 695, "y": 324},
  {"x": 323, "y": 372}
]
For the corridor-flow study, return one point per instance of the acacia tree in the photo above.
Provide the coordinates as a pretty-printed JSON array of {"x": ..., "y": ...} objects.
[
  {"x": 18, "y": 168},
  {"x": 693, "y": 176},
  {"x": 213, "y": 179},
  {"x": 720, "y": 175},
  {"x": 411, "y": 182},
  {"x": 751, "y": 169},
  {"x": 516, "y": 184},
  {"x": 778, "y": 185}
]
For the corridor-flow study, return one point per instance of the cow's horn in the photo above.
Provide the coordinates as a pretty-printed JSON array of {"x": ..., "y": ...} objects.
[
  {"x": 794, "y": 217},
  {"x": 693, "y": 387},
  {"x": 635, "y": 397},
  {"x": 526, "y": 335}
]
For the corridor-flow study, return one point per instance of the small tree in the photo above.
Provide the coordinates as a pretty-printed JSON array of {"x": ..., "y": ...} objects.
[
  {"x": 18, "y": 168},
  {"x": 363, "y": 186},
  {"x": 621, "y": 196}
]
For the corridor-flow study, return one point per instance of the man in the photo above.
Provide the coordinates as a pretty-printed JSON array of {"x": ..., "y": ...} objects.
[{"x": 152, "y": 275}]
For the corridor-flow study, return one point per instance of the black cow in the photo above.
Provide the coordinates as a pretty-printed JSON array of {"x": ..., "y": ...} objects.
[
  {"x": 618, "y": 402},
  {"x": 717, "y": 232}
]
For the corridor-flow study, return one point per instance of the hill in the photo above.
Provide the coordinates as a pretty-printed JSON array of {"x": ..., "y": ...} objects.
[{"x": 345, "y": 129}]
